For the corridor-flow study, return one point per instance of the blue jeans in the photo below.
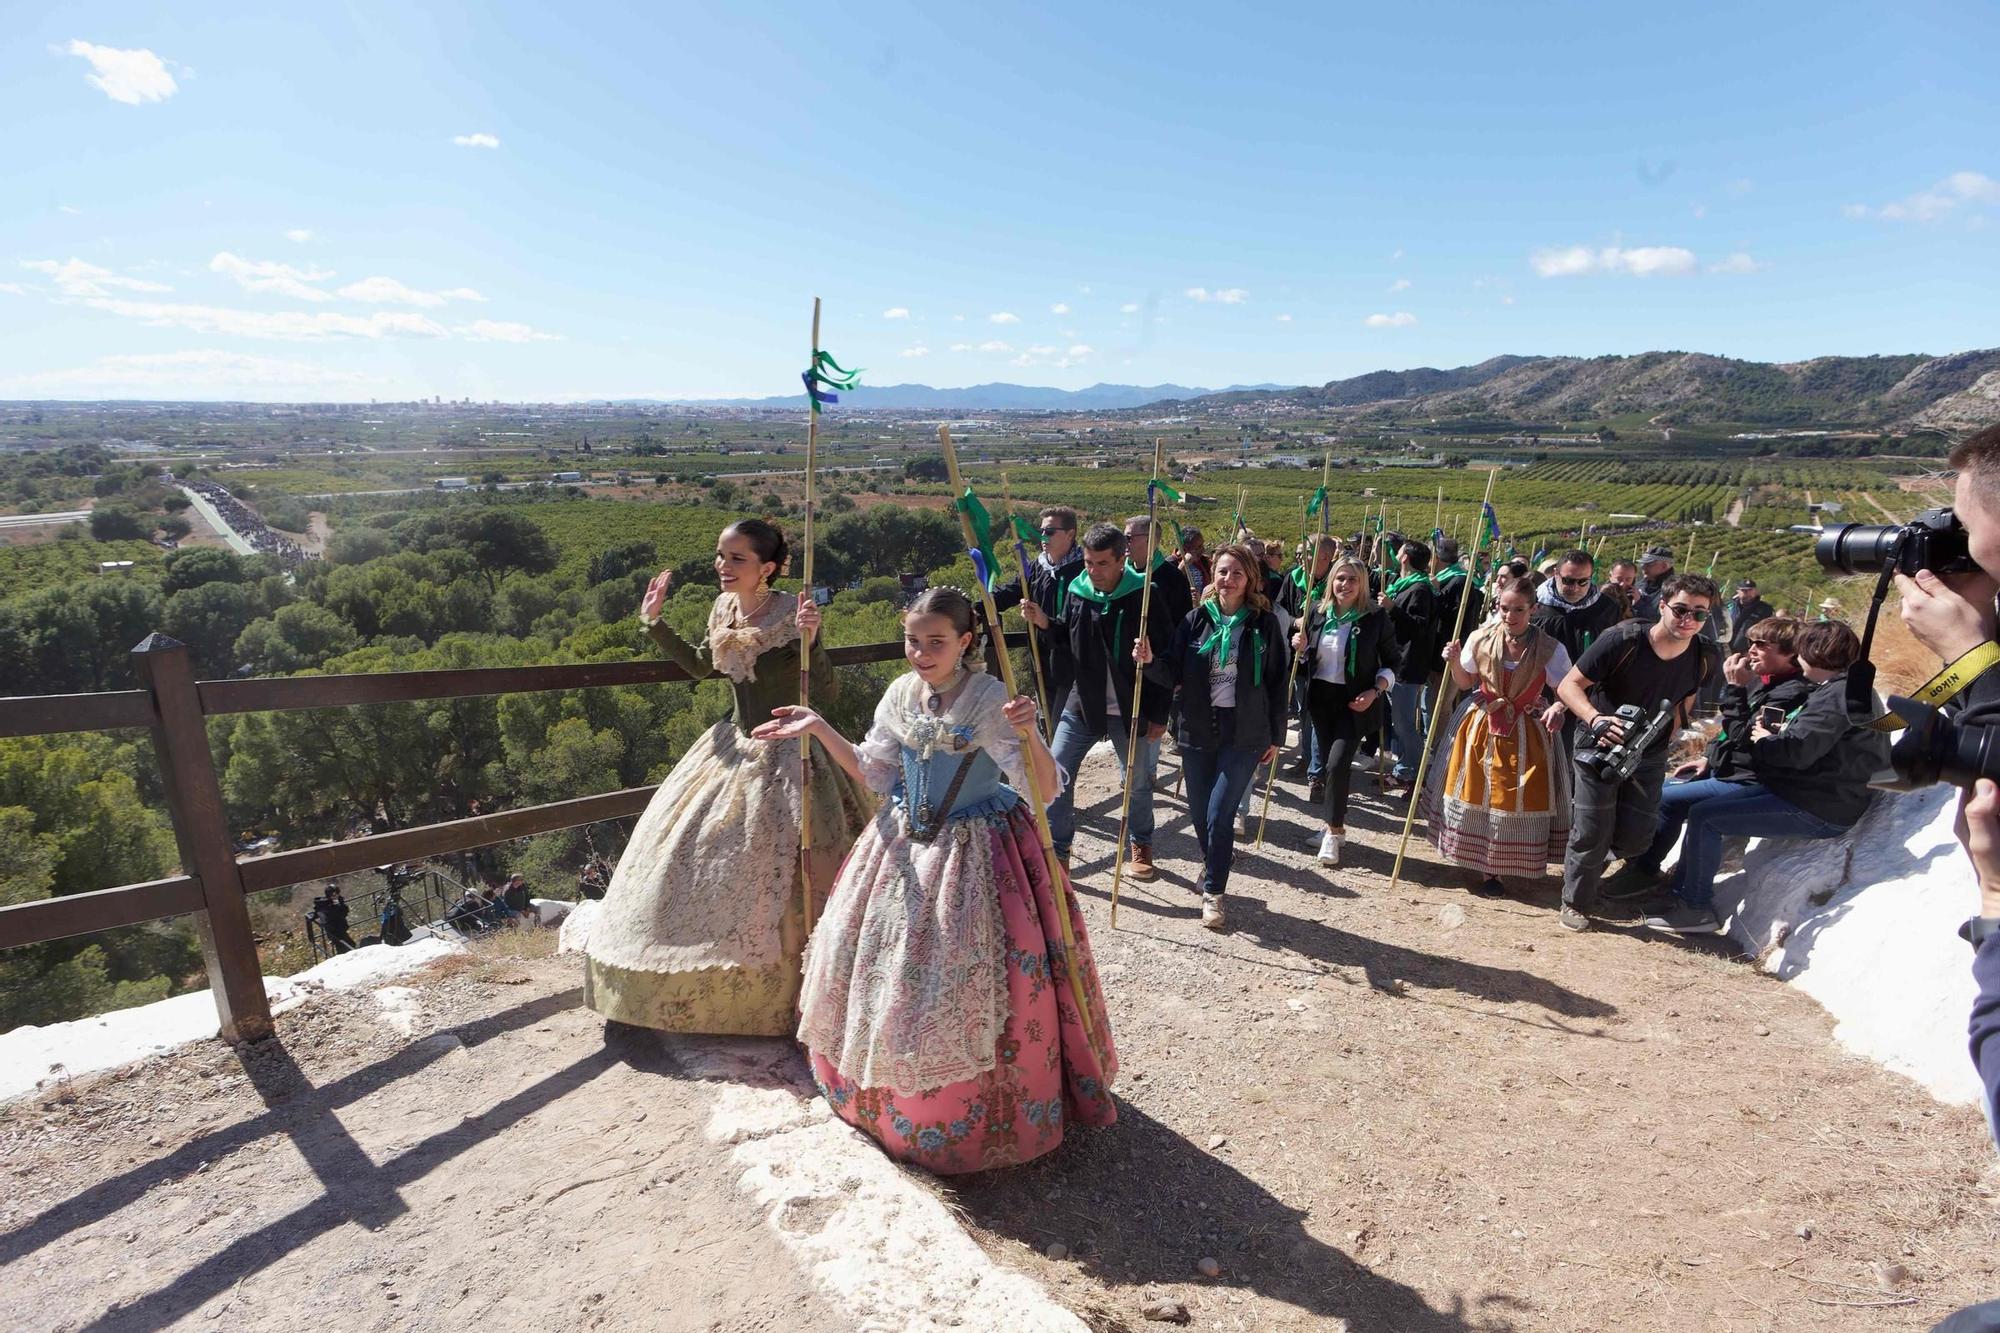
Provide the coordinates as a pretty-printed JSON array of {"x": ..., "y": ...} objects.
[
  {"x": 1216, "y": 781},
  {"x": 1739, "y": 809},
  {"x": 1073, "y": 741},
  {"x": 1405, "y": 704},
  {"x": 1676, "y": 799}
]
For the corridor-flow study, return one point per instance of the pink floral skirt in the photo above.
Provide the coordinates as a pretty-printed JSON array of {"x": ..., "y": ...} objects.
[{"x": 1047, "y": 1073}]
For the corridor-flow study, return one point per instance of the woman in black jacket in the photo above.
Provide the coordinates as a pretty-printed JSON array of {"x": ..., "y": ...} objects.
[
  {"x": 1345, "y": 656},
  {"x": 1228, "y": 661},
  {"x": 1812, "y": 770}
]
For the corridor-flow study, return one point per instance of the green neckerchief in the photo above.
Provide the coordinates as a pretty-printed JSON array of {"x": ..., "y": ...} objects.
[
  {"x": 1447, "y": 574},
  {"x": 1129, "y": 582},
  {"x": 1334, "y": 620},
  {"x": 1158, "y": 560},
  {"x": 1407, "y": 581},
  {"x": 1224, "y": 627}
]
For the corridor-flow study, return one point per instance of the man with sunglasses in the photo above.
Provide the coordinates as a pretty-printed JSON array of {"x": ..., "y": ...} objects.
[
  {"x": 1633, "y": 663},
  {"x": 1049, "y": 577},
  {"x": 1574, "y": 611}
]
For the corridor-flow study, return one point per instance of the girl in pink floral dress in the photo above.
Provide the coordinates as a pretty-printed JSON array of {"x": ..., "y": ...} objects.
[{"x": 937, "y": 1010}]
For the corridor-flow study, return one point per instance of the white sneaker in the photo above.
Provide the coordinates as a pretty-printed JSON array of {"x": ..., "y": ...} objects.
[
  {"x": 1329, "y": 848},
  {"x": 1211, "y": 912}
]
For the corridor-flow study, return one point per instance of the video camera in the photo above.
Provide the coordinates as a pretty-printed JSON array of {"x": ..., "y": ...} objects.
[
  {"x": 1615, "y": 761},
  {"x": 1933, "y": 540},
  {"x": 1933, "y": 748}
]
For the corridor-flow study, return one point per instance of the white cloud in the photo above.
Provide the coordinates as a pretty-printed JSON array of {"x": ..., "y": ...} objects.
[
  {"x": 1059, "y": 308},
  {"x": 1080, "y": 350},
  {"x": 70, "y": 209},
  {"x": 1939, "y": 201},
  {"x": 1742, "y": 185},
  {"x": 1506, "y": 300},
  {"x": 914, "y": 351},
  {"x": 281, "y": 325},
  {"x": 497, "y": 331},
  {"x": 130, "y": 77},
  {"x": 961, "y": 347},
  {"x": 1129, "y": 308},
  {"x": 388, "y": 291},
  {"x": 1397, "y": 255},
  {"x": 1399, "y": 285},
  {"x": 996, "y": 346},
  {"x": 13, "y": 289},
  {"x": 1402, "y": 319},
  {"x": 179, "y": 371},
  {"x": 1042, "y": 349},
  {"x": 1640, "y": 261},
  {"x": 1222, "y": 296},
  {"x": 299, "y": 235},
  {"x": 74, "y": 277},
  {"x": 476, "y": 140},
  {"x": 1284, "y": 319},
  {"x": 1003, "y": 317},
  {"x": 263, "y": 275},
  {"x": 896, "y": 312},
  {"x": 1736, "y": 263},
  {"x": 958, "y": 319}
]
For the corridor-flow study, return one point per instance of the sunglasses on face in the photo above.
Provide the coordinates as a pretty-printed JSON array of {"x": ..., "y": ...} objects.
[
  {"x": 1050, "y": 532},
  {"x": 1576, "y": 583},
  {"x": 1696, "y": 614}
]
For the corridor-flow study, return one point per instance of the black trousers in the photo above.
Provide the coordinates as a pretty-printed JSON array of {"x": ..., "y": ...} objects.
[{"x": 1340, "y": 730}]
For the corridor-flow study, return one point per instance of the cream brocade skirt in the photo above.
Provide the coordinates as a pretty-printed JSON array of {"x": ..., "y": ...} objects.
[{"x": 703, "y": 925}]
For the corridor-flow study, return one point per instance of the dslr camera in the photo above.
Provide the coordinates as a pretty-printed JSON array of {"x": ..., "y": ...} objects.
[
  {"x": 1934, "y": 748},
  {"x": 1615, "y": 761},
  {"x": 1933, "y": 540}
]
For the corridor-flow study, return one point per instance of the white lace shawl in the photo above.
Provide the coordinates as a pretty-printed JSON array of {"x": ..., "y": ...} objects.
[
  {"x": 735, "y": 648},
  {"x": 977, "y": 710}
]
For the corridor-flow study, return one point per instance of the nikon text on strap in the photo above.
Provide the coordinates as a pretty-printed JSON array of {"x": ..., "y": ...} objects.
[{"x": 1948, "y": 683}]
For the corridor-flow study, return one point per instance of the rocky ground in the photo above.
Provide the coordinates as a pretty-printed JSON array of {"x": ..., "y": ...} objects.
[{"x": 1408, "y": 1110}]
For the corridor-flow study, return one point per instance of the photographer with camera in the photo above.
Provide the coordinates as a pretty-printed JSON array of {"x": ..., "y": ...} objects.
[
  {"x": 1950, "y": 610},
  {"x": 1810, "y": 772},
  {"x": 1629, "y": 691}
]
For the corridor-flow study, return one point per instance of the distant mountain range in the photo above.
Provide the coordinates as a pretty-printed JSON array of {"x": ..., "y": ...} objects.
[
  {"x": 1956, "y": 392},
  {"x": 992, "y": 397}
]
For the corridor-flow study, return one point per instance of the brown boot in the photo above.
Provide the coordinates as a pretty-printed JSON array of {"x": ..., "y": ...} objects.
[{"x": 1140, "y": 865}]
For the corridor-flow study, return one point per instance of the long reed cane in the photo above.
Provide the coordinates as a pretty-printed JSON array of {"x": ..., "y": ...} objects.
[
  {"x": 1058, "y": 879},
  {"x": 1445, "y": 700},
  {"x": 1136, "y": 723}
]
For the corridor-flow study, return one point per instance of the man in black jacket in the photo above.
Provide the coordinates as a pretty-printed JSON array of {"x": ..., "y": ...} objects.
[
  {"x": 1049, "y": 577},
  {"x": 1744, "y": 610},
  {"x": 1573, "y": 610},
  {"x": 1101, "y": 619},
  {"x": 1170, "y": 584},
  {"x": 1412, "y": 605}
]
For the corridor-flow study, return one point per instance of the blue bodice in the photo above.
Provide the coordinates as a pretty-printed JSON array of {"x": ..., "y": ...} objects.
[{"x": 984, "y": 791}]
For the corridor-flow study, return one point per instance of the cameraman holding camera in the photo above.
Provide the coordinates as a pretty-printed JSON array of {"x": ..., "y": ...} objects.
[
  {"x": 1952, "y": 614},
  {"x": 1635, "y": 669}
]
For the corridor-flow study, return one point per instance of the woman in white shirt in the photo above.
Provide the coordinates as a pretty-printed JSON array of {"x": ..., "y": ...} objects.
[
  {"x": 1498, "y": 800},
  {"x": 1344, "y": 655}
]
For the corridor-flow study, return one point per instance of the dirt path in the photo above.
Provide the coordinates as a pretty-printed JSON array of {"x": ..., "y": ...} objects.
[
  {"x": 1410, "y": 1111},
  {"x": 1427, "y": 1111},
  {"x": 1887, "y": 517},
  {"x": 1734, "y": 518}
]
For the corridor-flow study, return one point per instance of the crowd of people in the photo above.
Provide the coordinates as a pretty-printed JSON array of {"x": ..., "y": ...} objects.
[
  {"x": 248, "y": 523},
  {"x": 924, "y": 945}
]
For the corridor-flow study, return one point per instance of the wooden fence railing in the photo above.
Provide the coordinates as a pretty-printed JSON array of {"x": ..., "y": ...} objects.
[{"x": 174, "y": 706}]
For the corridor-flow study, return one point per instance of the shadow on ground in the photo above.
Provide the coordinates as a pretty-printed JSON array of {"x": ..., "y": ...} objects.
[{"x": 1127, "y": 1202}]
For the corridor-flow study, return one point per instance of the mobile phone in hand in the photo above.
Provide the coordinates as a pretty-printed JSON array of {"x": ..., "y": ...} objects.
[{"x": 1770, "y": 717}]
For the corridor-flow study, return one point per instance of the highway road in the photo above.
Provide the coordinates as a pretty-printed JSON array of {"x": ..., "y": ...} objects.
[
  {"x": 42, "y": 520},
  {"x": 731, "y": 477}
]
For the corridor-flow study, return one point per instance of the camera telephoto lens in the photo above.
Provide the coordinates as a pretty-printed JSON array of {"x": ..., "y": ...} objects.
[
  {"x": 1933, "y": 748},
  {"x": 1857, "y": 548}
]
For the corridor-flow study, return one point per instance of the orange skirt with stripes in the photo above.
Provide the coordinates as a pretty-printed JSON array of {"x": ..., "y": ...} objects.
[{"x": 1499, "y": 804}]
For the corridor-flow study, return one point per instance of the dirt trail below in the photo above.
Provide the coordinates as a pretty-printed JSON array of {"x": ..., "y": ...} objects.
[{"x": 1397, "y": 1111}]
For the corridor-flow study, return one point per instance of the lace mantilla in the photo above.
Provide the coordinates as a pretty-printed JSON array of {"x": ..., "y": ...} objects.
[
  {"x": 735, "y": 647},
  {"x": 973, "y": 721}
]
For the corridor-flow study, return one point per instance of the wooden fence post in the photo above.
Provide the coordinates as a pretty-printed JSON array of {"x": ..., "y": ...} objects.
[{"x": 194, "y": 799}]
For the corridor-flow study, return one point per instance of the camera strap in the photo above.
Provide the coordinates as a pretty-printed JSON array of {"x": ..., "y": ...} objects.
[{"x": 1948, "y": 683}]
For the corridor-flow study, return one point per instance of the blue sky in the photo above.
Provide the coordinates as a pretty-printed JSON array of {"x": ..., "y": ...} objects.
[{"x": 504, "y": 201}]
